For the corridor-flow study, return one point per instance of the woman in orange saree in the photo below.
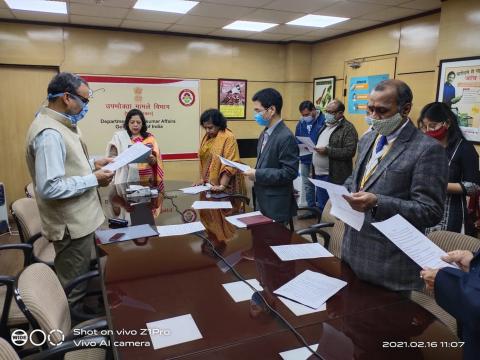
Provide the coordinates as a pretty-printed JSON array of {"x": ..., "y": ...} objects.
[{"x": 219, "y": 141}]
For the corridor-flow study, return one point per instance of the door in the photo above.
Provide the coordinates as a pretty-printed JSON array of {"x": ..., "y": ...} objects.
[{"x": 21, "y": 94}]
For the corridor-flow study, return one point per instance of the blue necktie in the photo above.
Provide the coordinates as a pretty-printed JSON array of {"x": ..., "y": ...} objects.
[{"x": 381, "y": 143}]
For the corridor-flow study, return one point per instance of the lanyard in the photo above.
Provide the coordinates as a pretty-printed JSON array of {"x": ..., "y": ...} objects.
[{"x": 369, "y": 170}]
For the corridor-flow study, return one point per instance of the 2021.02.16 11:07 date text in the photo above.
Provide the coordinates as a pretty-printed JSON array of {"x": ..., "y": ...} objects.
[{"x": 422, "y": 344}]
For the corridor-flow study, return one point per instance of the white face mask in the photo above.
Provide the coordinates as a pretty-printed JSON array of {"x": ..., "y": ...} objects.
[{"x": 388, "y": 125}]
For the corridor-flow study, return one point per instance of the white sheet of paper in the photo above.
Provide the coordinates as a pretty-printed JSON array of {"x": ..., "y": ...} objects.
[
  {"x": 130, "y": 155},
  {"x": 299, "y": 309},
  {"x": 198, "y": 205},
  {"x": 300, "y": 251},
  {"x": 340, "y": 207},
  {"x": 181, "y": 329},
  {"x": 307, "y": 141},
  {"x": 311, "y": 288},
  {"x": 239, "y": 291},
  {"x": 412, "y": 242},
  {"x": 234, "y": 219},
  {"x": 180, "y": 229},
  {"x": 304, "y": 150},
  {"x": 196, "y": 189},
  {"x": 236, "y": 165},
  {"x": 298, "y": 354}
]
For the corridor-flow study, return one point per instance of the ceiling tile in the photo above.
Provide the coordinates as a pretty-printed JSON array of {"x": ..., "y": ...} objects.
[
  {"x": 232, "y": 33},
  {"x": 391, "y": 13},
  {"x": 249, "y": 3},
  {"x": 305, "y": 6},
  {"x": 382, "y": 2},
  {"x": 113, "y": 3},
  {"x": 423, "y": 4},
  {"x": 6, "y": 14},
  {"x": 272, "y": 16},
  {"x": 221, "y": 11},
  {"x": 350, "y": 9},
  {"x": 186, "y": 29},
  {"x": 40, "y": 16},
  {"x": 144, "y": 25},
  {"x": 203, "y": 21},
  {"x": 289, "y": 29},
  {"x": 269, "y": 36},
  {"x": 94, "y": 21},
  {"x": 97, "y": 10},
  {"x": 153, "y": 16}
]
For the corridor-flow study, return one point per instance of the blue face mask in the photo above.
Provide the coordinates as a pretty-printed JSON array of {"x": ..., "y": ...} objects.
[
  {"x": 260, "y": 120},
  {"x": 74, "y": 119},
  {"x": 307, "y": 119},
  {"x": 77, "y": 117}
]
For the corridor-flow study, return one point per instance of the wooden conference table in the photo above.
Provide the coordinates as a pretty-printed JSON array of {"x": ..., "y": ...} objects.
[{"x": 152, "y": 279}]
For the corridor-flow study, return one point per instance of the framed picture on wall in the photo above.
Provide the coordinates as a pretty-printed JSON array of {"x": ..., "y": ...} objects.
[
  {"x": 323, "y": 91},
  {"x": 232, "y": 95},
  {"x": 459, "y": 87}
]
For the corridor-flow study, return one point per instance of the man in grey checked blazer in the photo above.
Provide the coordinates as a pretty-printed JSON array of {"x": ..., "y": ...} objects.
[{"x": 399, "y": 170}]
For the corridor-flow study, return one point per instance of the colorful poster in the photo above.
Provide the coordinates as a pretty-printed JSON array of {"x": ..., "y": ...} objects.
[
  {"x": 323, "y": 91},
  {"x": 232, "y": 96},
  {"x": 171, "y": 108},
  {"x": 459, "y": 88},
  {"x": 359, "y": 89}
]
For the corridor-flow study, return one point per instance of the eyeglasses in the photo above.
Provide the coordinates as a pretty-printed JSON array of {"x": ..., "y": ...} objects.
[
  {"x": 331, "y": 112},
  {"x": 82, "y": 99},
  {"x": 431, "y": 126}
]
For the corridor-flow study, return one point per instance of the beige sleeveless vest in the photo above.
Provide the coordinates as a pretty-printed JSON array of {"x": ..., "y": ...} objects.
[{"x": 82, "y": 214}]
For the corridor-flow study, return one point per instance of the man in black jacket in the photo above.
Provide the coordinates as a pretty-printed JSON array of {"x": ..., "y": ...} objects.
[
  {"x": 336, "y": 147},
  {"x": 277, "y": 159}
]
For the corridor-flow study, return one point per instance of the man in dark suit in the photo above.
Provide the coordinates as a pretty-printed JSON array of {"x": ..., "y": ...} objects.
[
  {"x": 277, "y": 159},
  {"x": 399, "y": 170},
  {"x": 458, "y": 292}
]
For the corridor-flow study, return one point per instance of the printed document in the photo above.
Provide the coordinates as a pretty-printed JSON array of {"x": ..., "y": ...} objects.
[{"x": 412, "y": 242}]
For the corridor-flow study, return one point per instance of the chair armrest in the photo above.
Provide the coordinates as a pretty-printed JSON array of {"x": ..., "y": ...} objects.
[
  {"x": 321, "y": 225},
  {"x": 34, "y": 238},
  {"x": 7, "y": 280},
  {"x": 58, "y": 352},
  {"x": 312, "y": 231},
  {"x": 80, "y": 279},
  {"x": 26, "y": 248}
]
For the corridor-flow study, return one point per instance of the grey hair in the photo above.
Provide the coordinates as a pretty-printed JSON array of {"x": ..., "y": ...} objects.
[
  {"x": 65, "y": 82},
  {"x": 404, "y": 93}
]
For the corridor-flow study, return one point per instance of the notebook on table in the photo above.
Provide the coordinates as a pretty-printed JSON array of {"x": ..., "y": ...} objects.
[{"x": 255, "y": 220}]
